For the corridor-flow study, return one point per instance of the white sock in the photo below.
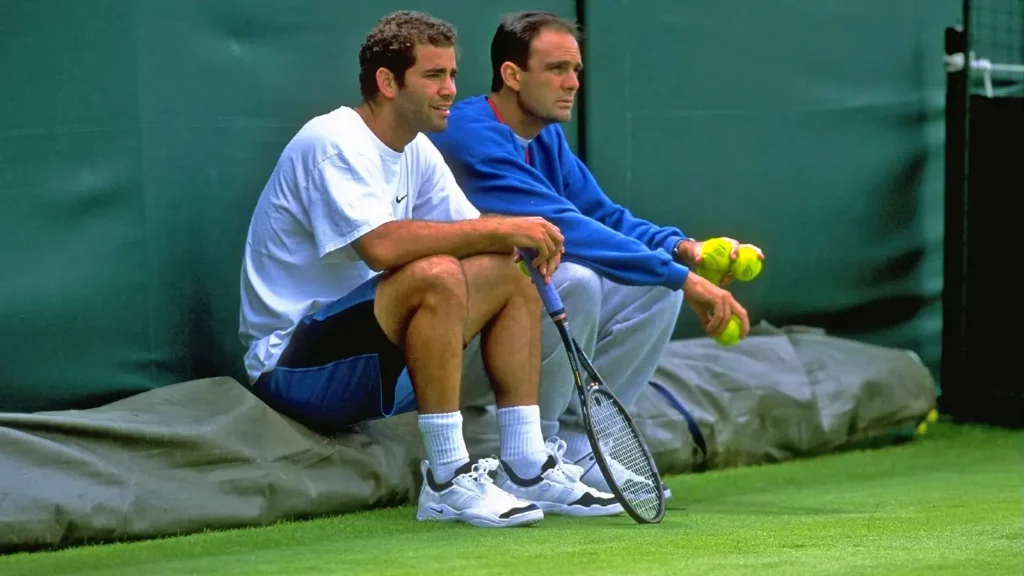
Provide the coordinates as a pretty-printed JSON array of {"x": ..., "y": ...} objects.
[
  {"x": 444, "y": 444},
  {"x": 577, "y": 445},
  {"x": 522, "y": 443}
]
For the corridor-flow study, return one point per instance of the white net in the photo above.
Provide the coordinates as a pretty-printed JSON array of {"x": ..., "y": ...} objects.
[{"x": 996, "y": 44}]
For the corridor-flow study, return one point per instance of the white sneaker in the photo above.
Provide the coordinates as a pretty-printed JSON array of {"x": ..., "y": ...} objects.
[
  {"x": 557, "y": 489},
  {"x": 593, "y": 477},
  {"x": 472, "y": 497}
]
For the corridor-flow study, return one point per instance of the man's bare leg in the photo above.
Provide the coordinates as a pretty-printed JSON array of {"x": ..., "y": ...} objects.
[
  {"x": 505, "y": 309},
  {"x": 422, "y": 307}
]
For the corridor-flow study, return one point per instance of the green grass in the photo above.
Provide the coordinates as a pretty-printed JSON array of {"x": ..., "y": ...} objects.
[{"x": 948, "y": 503}]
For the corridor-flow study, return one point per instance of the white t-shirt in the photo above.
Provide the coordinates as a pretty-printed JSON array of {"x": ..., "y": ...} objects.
[{"x": 334, "y": 182}]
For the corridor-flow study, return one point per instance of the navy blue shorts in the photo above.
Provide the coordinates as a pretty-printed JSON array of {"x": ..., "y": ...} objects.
[{"x": 339, "y": 368}]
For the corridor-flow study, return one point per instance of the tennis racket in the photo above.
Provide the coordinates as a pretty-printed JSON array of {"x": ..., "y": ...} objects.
[{"x": 620, "y": 452}]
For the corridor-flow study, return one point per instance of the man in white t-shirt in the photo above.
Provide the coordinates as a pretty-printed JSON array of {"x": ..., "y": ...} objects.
[{"x": 367, "y": 271}]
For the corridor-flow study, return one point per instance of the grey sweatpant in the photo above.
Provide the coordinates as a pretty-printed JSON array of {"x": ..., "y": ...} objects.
[{"x": 623, "y": 329}]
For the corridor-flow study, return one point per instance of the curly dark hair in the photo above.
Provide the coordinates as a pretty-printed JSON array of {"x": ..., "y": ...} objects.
[{"x": 392, "y": 44}]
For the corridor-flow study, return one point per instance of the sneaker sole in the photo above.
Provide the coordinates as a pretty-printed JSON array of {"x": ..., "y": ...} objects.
[
  {"x": 480, "y": 520},
  {"x": 587, "y": 511}
]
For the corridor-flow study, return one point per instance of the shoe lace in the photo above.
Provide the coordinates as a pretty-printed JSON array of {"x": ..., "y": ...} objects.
[
  {"x": 481, "y": 470},
  {"x": 556, "y": 448}
]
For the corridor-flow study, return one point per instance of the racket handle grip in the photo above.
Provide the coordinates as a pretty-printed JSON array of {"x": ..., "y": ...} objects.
[{"x": 548, "y": 294}]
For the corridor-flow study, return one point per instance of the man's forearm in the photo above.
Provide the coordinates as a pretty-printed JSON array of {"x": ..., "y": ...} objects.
[{"x": 398, "y": 243}]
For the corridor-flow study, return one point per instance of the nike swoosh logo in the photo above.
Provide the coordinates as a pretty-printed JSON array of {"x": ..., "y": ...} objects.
[
  {"x": 399, "y": 200},
  {"x": 438, "y": 510}
]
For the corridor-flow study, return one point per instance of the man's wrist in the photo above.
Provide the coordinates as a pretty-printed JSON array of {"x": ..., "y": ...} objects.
[{"x": 681, "y": 250}]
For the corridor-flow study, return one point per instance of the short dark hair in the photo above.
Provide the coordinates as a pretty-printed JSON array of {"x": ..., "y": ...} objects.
[
  {"x": 392, "y": 45},
  {"x": 512, "y": 39}
]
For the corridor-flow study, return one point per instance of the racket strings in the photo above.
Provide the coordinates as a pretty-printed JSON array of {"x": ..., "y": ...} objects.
[{"x": 625, "y": 456}]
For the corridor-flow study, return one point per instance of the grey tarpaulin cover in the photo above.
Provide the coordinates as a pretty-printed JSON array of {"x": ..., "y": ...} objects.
[
  {"x": 207, "y": 454},
  {"x": 779, "y": 394}
]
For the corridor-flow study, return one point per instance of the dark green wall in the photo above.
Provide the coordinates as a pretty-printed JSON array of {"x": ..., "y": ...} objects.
[
  {"x": 814, "y": 129},
  {"x": 135, "y": 137}
]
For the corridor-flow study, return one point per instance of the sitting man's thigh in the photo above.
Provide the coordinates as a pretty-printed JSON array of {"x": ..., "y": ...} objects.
[{"x": 339, "y": 368}]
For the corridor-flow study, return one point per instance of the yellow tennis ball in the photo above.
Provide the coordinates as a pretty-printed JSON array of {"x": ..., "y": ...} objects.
[
  {"x": 717, "y": 255},
  {"x": 713, "y": 276},
  {"x": 747, "y": 265},
  {"x": 731, "y": 335},
  {"x": 523, "y": 267},
  {"x": 716, "y": 258},
  {"x": 922, "y": 428},
  {"x": 933, "y": 416}
]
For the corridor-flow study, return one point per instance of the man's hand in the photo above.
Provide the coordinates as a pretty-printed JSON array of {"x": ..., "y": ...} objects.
[
  {"x": 713, "y": 306},
  {"x": 690, "y": 253},
  {"x": 539, "y": 234}
]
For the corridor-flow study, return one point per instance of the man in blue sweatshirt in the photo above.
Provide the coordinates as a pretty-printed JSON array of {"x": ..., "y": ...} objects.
[{"x": 622, "y": 279}]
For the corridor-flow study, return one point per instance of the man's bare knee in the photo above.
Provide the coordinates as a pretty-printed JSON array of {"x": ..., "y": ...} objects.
[
  {"x": 495, "y": 282},
  {"x": 438, "y": 281},
  {"x": 435, "y": 284}
]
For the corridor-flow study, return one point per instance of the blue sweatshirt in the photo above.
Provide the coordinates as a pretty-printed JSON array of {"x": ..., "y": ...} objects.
[{"x": 490, "y": 164}]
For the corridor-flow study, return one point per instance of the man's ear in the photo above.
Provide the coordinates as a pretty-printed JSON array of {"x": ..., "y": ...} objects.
[
  {"x": 387, "y": 83},
  {"x": 511, "y": 75}
]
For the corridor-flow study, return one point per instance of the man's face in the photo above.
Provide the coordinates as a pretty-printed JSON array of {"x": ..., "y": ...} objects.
[
  {"x": 548, "y": 86},
  {"x": 423, "y": 103}
]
